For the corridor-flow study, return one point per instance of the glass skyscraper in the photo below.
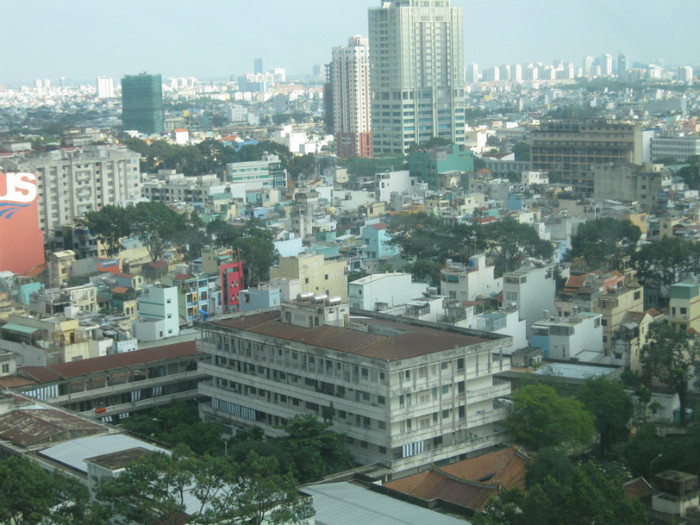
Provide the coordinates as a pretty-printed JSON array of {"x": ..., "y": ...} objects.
[
  {"x": 416, "y": 73},
  {"x": 142, "y": 103}
]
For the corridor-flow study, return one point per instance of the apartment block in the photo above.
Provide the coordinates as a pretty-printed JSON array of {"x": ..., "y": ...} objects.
[
  {"x": 158, "y": 313},
  {"x": 313, "y": 273},
  {"x": 406, "y": 393},
  {"x": 565, "y": 338},
  {"x": 531, "y": 289},
  {"x": 73, "y": 181},
  {"x": 643, "y": 184},
  {"x": 572, "y": 148},
  {"x": 678, "y": 148},
  {"x": 349, "y": 81},
  {"x": 380, "y": 291},
  {"x": 466, "y": 282},
  {"x": 684, "y": 306}
]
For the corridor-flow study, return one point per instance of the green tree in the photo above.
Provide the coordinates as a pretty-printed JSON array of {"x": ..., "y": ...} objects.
[
  {"x": 672, "y": 357},
  {"x": 514, "y": 241},
  {"x": 110, "y": 225},
  {"x": 587, "y": 497},
  {"x": 600, "y": 239},
  {"x": 540, "y": 418},
  {"x": 612, "y": 409},
  {"x": 521, "y": 151},
  {"x": 549, "y": 461},
  {"x": 302, "y": 166},
  {"x": 30, "y": 494},
  {"x": 156, "y": 225},
  {"x": 663, "y": 262},
  {"x": 311, "y": 450}
]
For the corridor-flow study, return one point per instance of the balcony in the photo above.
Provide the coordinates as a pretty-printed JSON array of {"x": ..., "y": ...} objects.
[
  {"x": 486, "y": 416},
  {"x": 484, "y": 394},
  {"x": 141, "y": 404}
]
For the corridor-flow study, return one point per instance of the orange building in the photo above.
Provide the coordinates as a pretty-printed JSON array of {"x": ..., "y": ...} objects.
[{"x": 21, "y": 240}]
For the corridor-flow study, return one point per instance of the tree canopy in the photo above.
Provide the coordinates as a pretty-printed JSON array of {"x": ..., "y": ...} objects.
[
  {"x": 664, "y": 262},
  {"x": 672, "y": 357},
  {"x": 541, "y": 418},
  {"x": 612, "y": 409},
  {"x": 585, "y": 495},
  {"x": 159, "y": 487},
  {"x": 597, "y": 240}
]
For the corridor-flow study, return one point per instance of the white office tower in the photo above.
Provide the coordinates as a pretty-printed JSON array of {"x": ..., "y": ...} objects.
[
  {"x": 472, "y": 73},
  {"x": 417, "y": 73},
  {"x": 606, "y": 62},
  {"x": 349, "y": 78},
  {"x": 105, "y": 87}
]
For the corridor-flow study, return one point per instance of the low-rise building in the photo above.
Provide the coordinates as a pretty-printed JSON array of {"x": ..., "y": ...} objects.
[
  {"x": 467, "y": 282},
  {"x": 565, "y": 338},
  {"x": 403, "y": 392},
  {"x": 380, "y": 291}
]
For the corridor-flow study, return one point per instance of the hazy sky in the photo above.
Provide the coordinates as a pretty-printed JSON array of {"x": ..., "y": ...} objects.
[{"x": 83, "y": 39}]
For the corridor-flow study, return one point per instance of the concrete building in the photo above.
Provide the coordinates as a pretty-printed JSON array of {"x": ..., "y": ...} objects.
[
  {"x": 105, "y": 87},
  {"x": 73, "y": 181},
  {"x": 158, "y": 313},
  {"x": 467, "y": 282},
  {"x": 169, "y": 186},
  {"x": 192, "y": 294},
  {"x": 684, "y": 306},
  {"x": 117, "y": 386},
  {"x": 427, "y": 165},
  {"x": 257, "y": 174},
  {"x": 314, "y": 274},
  {"x": 403, "y": 392},
  {"x": 643, "y": 184},
  {"x": 532, "y": 290},
  {"x": 399, "y": 182},
  {"x": 565, "y": 338},
  {"x": 349, "y": 79},
  {"x": 260, "y": 298},
  {"x": 573, "y": 147},
  {"x": 376, "y": 237},
  {"x": 417, "y": 73},
  {"x": 142, "y": 103},
  {"x": 380, "y": 291},
  {"x": 678, "y": 148}
]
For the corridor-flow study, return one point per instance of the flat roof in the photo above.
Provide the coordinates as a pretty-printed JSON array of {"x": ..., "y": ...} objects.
[
  {"x": 403, "y": 340},
  {"x": 73, "y": 453},
  {"x": 574, "y": 370}
]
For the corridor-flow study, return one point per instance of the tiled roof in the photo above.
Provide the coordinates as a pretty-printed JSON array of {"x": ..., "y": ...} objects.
[
  {"x": 47, "y": 374},
  {"x": 412, "y": 341},
  {"x": 120, "y": 289},
  {"x": 469, "y": 483}
]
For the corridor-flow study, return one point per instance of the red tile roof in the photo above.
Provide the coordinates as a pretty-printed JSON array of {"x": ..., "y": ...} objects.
[
  {"x": 120, "y": 289},
  {"x": 48, "y": 374},
  {"x": 379, "y": 226}
]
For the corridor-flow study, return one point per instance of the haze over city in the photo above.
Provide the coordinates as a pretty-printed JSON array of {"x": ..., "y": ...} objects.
[{"x": 82, "y": 39}]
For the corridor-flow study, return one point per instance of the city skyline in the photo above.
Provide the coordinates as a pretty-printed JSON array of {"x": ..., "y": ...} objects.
[{"x": 82, "y": 40}]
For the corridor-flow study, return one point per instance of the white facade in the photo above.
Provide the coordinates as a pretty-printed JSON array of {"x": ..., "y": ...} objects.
[
  {"x": 73, "y": 181},
  {"x": 564, "y": 338},
  {"x": 679, "y": 148},
  {"x": 169, "y": 186},
  {"x": 379, "y": 291},
  {"x": 503, "y": 322},
  {"x": 394, "y": 182},
  {"x": 254, "y": 175},
  {"x": 417, "y": 73},
  {"x": 529, "y": 178},
  {"x": 158, "y": 313},
  {"x": 349, "y": 75},
  {"x": 105, "y": 87},
  {"x": 532, "y": 291},
  {"x": 467, "y": 282}
]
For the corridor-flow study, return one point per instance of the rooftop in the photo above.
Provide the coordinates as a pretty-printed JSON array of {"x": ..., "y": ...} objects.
[
  {"x": 365, "y": 339},
  {"x": 47, "y": 374}
]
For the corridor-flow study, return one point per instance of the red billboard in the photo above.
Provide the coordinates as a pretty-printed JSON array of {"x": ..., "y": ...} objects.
[{"x": 21, "y": 240}]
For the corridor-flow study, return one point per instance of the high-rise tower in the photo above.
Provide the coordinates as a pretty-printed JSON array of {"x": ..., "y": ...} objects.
[
  {"x": 142, "y": 103},
  {"x": 417, "y": 73},
  {"x": 349, "y": 80}
]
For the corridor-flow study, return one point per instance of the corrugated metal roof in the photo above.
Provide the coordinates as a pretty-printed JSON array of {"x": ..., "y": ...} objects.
[
  {"x": 74, "y": 452},
  {"x": 347, "y": 504},
  {"x": 14, "y": 327},
  {"x": 109, "y": 362},
  {"x": 408, "y": 341},
  {"x": 27, "y": 427}
]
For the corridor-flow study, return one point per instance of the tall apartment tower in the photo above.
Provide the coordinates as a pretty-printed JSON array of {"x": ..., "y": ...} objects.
[
  {"x": 142, "y": 103},
  {"x": 105, "y": 87},
  {"x": 417, "y": 73},
  {"x": 349, "y": 79},
  {"x": 259, "y": 65}
]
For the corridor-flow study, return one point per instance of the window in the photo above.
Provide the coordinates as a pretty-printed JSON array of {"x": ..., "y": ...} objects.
[
  {"x": 5, "y": 369},
  {"x": 684, "y": 310}
]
